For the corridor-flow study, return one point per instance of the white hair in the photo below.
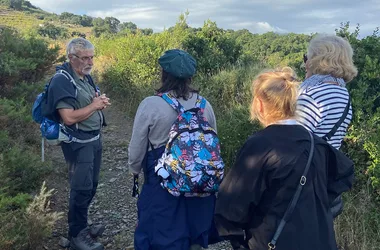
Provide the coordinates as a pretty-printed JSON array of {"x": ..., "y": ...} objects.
[
  {"x": 78, "y": 44},
  {"x": 331, "y": 54}
]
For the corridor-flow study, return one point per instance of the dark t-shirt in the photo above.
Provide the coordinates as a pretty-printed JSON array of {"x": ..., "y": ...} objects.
[{"x": 85, "y": 95}]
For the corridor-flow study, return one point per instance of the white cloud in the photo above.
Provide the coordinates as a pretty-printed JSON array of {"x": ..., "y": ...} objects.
[
  {"x": 299, "y": 16},
  {"x": 259, "y": 27},
  {"x": 322, "y": 14},
  {"x": 129, "y": 13}
]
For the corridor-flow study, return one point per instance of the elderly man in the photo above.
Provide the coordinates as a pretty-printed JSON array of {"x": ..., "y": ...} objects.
[{"x": 75, "y": 101}]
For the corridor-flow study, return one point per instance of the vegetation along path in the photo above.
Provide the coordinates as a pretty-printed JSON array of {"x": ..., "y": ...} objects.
[{"x": 113, "y": 205}]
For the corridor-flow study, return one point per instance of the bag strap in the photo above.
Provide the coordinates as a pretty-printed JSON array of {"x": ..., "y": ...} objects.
[
  {"x": 70, "y": 78},
  {"x": 65, "y": 74},
  {"x": 135, "y": 188},
  {"x": 200, "y": 103},
  {"x": 173, "y": 102},
  {"x": 293, "y": 203},
  {"x": 341, "y": 120}
]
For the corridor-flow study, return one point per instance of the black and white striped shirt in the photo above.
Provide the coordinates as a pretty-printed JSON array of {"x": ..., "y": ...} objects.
[{"x": 320, "y": 107}]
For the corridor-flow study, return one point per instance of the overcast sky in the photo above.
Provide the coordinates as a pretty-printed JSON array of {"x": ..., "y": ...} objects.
[{"x": 258, "y": 16}]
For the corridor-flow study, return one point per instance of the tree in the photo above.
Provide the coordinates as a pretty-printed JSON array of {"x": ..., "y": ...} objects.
[
  {"x": 16, "y": 4},
  {"x": 52, "y": 31},
  {"x": 147, "y": 31},
  {"x": 98, "y": 22},
  {"x": 112, "y": 24},
  {"x": 86, "y": 21},
  {"x": 128, "y": 26},
  {"x": 213, "y": 48},
  {"x": 6, "y": 3},
  {"x": 97, "y": 31}
]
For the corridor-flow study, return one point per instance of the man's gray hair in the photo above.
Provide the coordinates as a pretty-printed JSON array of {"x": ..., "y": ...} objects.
[{"x": 78, "y": 44}]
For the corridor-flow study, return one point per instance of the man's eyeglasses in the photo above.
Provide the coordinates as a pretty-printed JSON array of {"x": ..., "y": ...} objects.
[
  {"x": 84, "y": 58},
  {"x": 304, "y": 58}
]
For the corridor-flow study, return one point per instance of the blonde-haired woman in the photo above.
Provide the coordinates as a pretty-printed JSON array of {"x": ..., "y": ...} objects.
[
  {"x": 324, "y": 105},
  {"x": 324, "y": 97},
  {"x": 271, "y": 167}
]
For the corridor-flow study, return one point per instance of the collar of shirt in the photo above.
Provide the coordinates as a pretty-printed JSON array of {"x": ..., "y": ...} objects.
[{"x": 287, "y": 122}]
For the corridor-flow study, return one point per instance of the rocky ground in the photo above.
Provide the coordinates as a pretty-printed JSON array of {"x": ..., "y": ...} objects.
[{"x": 113, "y": 205}]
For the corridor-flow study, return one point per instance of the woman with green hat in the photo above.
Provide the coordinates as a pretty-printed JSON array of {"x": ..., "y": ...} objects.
[{"x": 167, "y": 221}]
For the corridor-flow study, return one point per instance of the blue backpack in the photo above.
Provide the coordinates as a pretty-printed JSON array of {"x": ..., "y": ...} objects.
[
  {"x": 52, "y": 131},
  {"x": 192, "y": 155}
]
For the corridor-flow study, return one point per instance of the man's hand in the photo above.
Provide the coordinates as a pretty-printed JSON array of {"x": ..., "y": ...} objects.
[
  {"x": 106, "y": 100},
  {"x": 100, "y": 102}
]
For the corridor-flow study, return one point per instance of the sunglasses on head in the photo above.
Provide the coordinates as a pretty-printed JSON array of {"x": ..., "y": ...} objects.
[{"x": 304, "y": 58}]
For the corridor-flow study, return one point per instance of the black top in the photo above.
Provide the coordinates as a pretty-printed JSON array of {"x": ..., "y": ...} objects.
[{"x": 254, "y": 195}]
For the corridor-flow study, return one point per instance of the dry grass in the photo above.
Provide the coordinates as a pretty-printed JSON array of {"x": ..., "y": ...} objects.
[
  {"x": 358, "y": 227},
  {"x": 26, "y": 230}
]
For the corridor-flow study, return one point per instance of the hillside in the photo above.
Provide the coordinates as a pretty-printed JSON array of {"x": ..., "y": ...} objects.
[{"x": 29, "y": 19}]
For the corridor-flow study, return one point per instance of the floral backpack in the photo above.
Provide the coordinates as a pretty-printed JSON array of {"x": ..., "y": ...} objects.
[{"x": 192, "y": 155}]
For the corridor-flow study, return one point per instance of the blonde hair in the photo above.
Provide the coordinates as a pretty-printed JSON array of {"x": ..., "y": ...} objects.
[
  {"x": 331, "y": 54},
  {"x": 278, "y": 91}
]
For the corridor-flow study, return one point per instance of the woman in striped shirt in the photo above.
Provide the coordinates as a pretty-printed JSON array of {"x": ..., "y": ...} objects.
[
  {"x": 323, "y": 95},
  {"x": 323, "y": 105}
]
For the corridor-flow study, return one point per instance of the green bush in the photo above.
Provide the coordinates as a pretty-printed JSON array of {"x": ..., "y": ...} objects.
[
  {"x": 51, "y": 31},
  {"x": 21, "y": 171},
  {"x": 234, "y": 127},
  {"x": 365, "y": 92},
  {"x": 8, "y": 203},
  {"x": 25, "y": 227},
  {"x": 15, "y": 116},
  {"x": 23, "y": 59},
  {"x": 213, "y": 49}
]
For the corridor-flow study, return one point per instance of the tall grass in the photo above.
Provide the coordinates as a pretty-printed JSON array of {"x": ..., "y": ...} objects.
[{"x": 358, "y": 227}]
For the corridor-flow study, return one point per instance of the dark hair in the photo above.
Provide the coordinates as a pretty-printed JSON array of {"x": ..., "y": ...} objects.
[{"x": 180, "y": 86}]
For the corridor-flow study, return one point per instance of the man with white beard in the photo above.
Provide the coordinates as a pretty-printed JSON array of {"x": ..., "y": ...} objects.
[{"x": 75, "y": 101}]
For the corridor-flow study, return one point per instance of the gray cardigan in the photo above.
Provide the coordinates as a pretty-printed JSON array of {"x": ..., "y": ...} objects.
[{"x": 153, "y": 121}]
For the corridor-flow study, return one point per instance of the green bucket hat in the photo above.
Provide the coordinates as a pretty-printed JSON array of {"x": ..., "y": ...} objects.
[{"x": 179, "y": 63}]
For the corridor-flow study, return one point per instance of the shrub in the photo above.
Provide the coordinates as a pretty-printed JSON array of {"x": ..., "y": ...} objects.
[
  {"x": 15, "y": 116},
  {"x": 51, "y": 31},
  {"x": 8, "y": 203},
  {"x": 21, "y": 170},
  {"x": 23, "y": 59},
  {"x": 26, "y": 228}
]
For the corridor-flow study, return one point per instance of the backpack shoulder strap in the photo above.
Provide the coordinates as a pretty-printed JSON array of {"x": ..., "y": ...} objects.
[
  {"x": 92, "y": 83},
  {"x": 296, "y": 196},
  {"x": 200, "y": 103},
  {"x": 68, "y": 77},
  {"x": 341, "y": 120},
  {"x": 173, "y": 102}
]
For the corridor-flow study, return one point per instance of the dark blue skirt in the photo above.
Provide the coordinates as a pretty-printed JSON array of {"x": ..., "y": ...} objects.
[{"x": 166, "y": 222}]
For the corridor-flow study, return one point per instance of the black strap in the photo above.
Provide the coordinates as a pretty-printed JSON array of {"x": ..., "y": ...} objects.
[
  {"x": 289, "y": 210},
  {"x": 341, "y": 120},
  {"x": 135, "y": 188}
]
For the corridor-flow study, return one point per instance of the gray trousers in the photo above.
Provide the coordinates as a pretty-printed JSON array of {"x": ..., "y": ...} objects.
[{"x": 84, "y": 162}]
